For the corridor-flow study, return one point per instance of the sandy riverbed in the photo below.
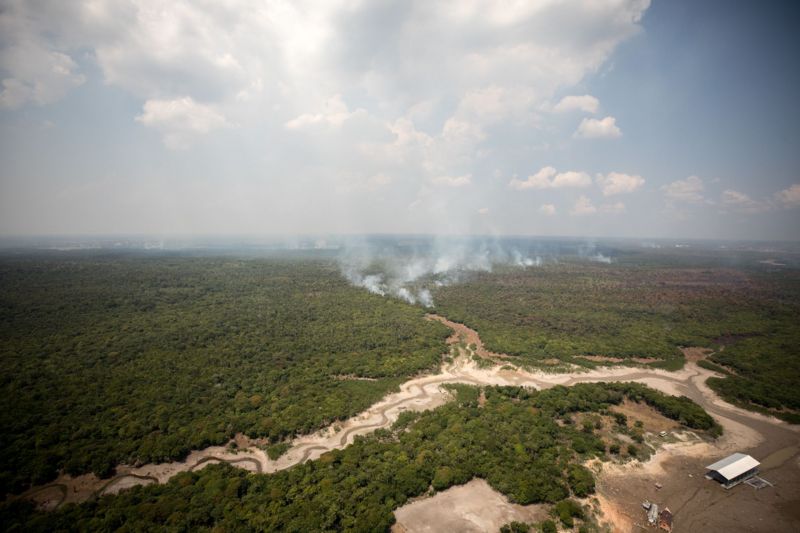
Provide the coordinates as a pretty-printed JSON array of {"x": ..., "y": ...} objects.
[{"x": 744, "y": 430}]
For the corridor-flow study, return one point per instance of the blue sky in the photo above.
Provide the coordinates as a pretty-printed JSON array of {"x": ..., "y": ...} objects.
[{"x": 616, "y": 118}]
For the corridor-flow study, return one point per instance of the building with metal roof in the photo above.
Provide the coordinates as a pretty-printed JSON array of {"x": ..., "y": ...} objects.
[{"x": 733, "y": 469}]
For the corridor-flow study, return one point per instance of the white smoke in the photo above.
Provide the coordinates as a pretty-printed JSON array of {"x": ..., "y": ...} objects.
[
  {"x": 520, "y": 260},
  {"x": 590, "y": 252},
  {"x": 600, "y": 258},
  {"x": 425, "y": 298},
  {"x": 409, "y": 273}
]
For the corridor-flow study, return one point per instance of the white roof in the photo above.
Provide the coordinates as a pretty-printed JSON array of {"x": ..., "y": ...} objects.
[{"x": 734, "y": 465}]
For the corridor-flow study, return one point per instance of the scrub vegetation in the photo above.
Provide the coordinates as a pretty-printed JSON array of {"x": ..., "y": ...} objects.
[
  {"x": 109, "y": 359},
  {"x": 522, "y": 442}
]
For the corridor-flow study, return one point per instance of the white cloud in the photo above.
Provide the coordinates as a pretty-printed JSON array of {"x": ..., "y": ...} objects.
[
  {"x": 689, "y": 190},
  {"x": 426, "y": 92},
  {"x": 540, "y": 180},
  {"x": 548, "y": 178},
  {"x": 790, "y": 197},
  {"x": 180, "y": 119},
  {"x": 592, "y": 128},
  {"x": 36, "y": 75},
  {"x": 585, "y": 103},
  {"x": 335, "y": 114},
  {"x": 547, "y": 209},
  {"x": 571, "y": 179},
  {"x": 583, "y": 206},
  {"x": 739, "y": 201},
  {"x": 617, "y": 183},
  {"x": 453, "y": 181},
  {"x": 483, "y": 211},
  {"x": 492, "y": 104}
]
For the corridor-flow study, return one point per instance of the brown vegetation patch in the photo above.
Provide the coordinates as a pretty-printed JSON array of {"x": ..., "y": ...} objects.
[
  {"x": 653, "y": 420},
  {"x": 352, "y": 377},
  {"x": 696, "y": 353},
  {"x": 601, "y": 358},
  {"x": 617, "y": 360}
]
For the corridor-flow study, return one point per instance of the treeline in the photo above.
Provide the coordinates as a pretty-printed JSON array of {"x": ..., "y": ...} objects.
[
  {"x": 763, "y": 372},
  {"x": 522, "y": 442},
  {"x": 134, "y": 359}
]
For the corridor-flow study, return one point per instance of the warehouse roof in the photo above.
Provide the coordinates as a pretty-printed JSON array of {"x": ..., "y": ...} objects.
[{"x": 734, "y": 465}]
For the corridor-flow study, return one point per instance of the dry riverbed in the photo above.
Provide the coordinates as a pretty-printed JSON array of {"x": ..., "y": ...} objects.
[{"x": 621, "y": 487}]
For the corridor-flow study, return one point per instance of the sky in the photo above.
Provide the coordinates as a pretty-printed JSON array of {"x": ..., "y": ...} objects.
[{"x": 596, "y": 118}]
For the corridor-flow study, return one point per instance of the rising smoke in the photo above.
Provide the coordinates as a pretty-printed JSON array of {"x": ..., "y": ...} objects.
[{"x": 410, "y": 269}]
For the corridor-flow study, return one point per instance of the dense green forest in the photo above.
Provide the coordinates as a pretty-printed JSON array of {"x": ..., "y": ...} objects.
[
  {"x": 646, "y": 306},
  {"x": 115, "y": 358},
  {"x": 523, "y": 442},
  {"x": 118, "y": 357}
]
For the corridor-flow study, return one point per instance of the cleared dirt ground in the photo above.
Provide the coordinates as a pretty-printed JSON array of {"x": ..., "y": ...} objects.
[{"x": 474, "y": 506}]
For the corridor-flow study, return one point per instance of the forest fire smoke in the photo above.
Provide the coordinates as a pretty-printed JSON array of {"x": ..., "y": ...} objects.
[{"x": 410, "y": 272}]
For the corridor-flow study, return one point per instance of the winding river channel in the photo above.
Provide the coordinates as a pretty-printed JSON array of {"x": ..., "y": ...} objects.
[{"x": 744, "y": 430}]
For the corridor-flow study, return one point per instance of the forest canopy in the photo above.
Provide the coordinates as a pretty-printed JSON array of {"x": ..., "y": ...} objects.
[
  {"x": 113, "y": 359},
  {"x": 519, "y": 440}
]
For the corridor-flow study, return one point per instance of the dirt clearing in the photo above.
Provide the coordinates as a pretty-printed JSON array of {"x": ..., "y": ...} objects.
[
  {"x": 652, "y": 420},
  {"x": 474, "y": 506}
]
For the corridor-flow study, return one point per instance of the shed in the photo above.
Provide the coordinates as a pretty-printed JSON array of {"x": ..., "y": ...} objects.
[{"x": 733, "y": 469}]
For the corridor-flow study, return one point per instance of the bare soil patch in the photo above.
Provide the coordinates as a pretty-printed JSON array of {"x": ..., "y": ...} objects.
[
  {"x": 694, "y": 353},
  {"x": 617, "y": 360},
  {"x": 652, "y": 420},
  {"x": 698, "y": 504},
  {"x": 475, "y": 506}
]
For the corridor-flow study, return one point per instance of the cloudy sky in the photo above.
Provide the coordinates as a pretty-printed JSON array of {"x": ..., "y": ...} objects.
[{"x": 540, "y": 117}]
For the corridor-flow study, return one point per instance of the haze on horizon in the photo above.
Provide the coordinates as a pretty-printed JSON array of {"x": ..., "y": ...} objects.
[{"x": 613, "y": 118}]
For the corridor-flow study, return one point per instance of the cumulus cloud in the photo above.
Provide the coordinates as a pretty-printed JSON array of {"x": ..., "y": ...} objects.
[
  {"x": 492, "y": 104},
  {"x": 583, "y": 206},
  {"x": 689, "y": 190},
  {"x": 180, "y": 119},
  {"x": 483, "y": 211},
  {"x": 571, "y": 179},
  {"x": 540, "y": 180},
  {"x": 739, "y": 201},
  {"x": 548, "y": 178},
  {"x": 36, "y": 75},
  {"x": 617, "y": 183},
  {"x": 592, "y": 128},
  {"x": 789, "y": 197},
  {"x": 547, "y": 209},
  {"x": 428, "y": 93},
  {"x": 335, "y": 114},
  {"x": 585, "y": 103}
]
